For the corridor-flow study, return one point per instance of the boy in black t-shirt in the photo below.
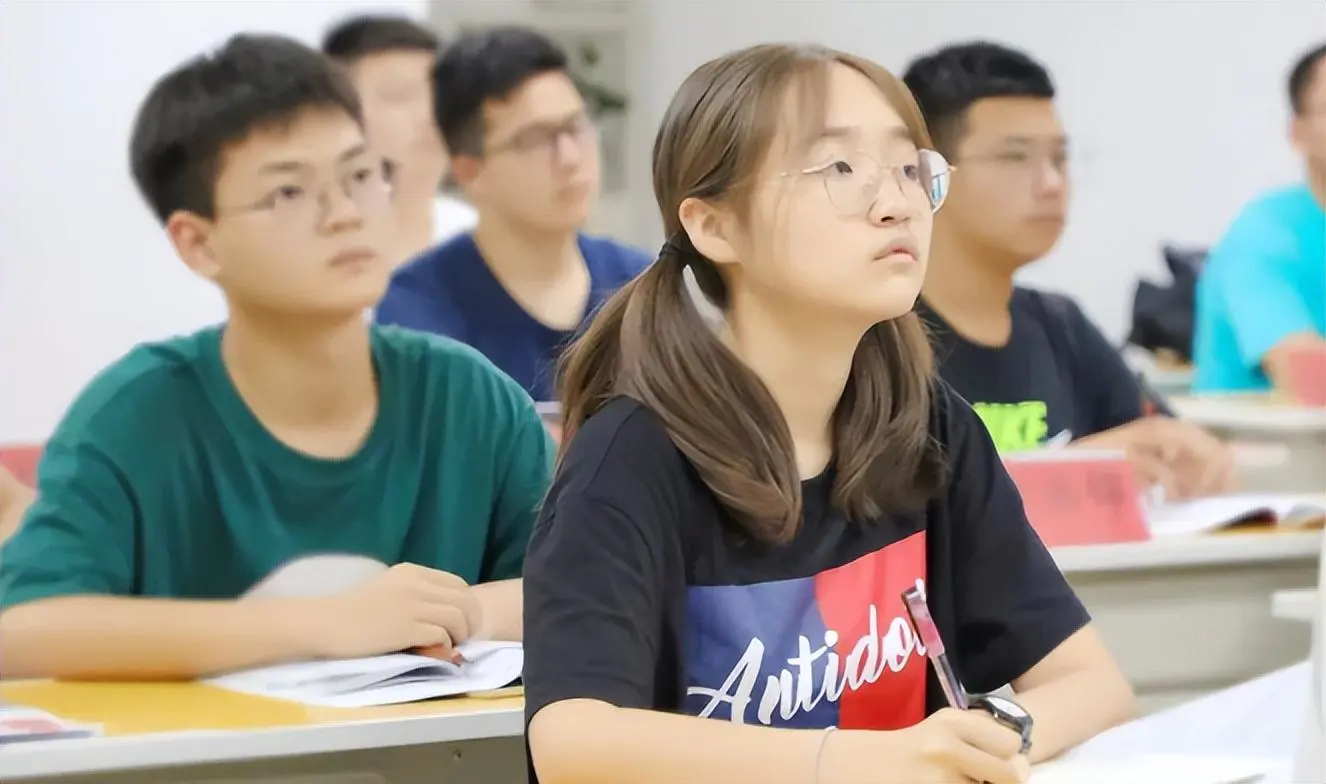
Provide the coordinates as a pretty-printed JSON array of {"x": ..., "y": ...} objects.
[{"x": 1037, "y": 371}]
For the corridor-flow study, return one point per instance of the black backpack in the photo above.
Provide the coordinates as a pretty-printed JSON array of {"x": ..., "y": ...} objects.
[{"x": 1163, "y": 316}]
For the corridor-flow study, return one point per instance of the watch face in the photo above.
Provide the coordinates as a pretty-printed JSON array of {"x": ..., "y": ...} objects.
[{"x": 1007, "y": 706}]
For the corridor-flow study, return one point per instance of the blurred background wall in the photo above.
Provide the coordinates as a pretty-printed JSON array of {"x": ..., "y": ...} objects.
[{"x": 1177, "y": 107}]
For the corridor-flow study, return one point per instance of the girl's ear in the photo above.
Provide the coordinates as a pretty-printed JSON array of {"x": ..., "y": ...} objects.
[{"x": 708, "y": 228}]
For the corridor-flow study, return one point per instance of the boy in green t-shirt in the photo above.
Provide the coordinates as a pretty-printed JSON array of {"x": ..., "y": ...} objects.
[{"x": 192, "y": 469}]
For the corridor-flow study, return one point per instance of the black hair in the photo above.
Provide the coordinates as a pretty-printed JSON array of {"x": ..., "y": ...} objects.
[
  {"x": 948, "y": 81},
  {"x": 217, "y": 99},
  {"x": 360, "y": 36},
  {"x": 1300, "y": 78},
  {"x": 481, "y": 66}
]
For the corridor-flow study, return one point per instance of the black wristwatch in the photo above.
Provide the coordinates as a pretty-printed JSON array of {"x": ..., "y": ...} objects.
[{"x": 1007, "y": 713}]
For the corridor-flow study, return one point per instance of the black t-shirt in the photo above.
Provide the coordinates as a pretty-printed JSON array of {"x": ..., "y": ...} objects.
[
  {"x": 1057, "y": 379},
  {"x": 638, "y": 594}
]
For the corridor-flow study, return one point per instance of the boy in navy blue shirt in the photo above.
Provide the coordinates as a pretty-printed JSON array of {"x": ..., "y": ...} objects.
[{"x": 525, "y": 150}]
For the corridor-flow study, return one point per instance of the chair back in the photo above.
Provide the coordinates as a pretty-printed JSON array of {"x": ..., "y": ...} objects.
[{"x": 21, "y": 461}]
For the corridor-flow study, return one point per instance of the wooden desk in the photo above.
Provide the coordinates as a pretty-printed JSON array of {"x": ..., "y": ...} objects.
[
  {"x": 1188, "y": 616},
  {"x": 1267, "y": 419},
  {"x": 1299, "y": 605},
  {"x": 191, "y": 732}
]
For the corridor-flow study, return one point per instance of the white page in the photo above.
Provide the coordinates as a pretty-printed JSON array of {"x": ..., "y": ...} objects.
[
  {"x": 1153, "y": 769},
  {"x": 1201, "y": 515},
  {"x": 381, "y": 680}
]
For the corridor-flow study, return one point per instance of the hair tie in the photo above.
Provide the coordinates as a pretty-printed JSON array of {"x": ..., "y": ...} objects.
[{"x": 679, "y": 245}]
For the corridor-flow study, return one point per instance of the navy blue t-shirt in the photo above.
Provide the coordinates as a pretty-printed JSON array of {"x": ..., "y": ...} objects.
[{"x": 449, "y": 290}]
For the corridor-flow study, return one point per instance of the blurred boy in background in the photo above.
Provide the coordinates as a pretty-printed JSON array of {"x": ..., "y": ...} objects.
[
  {"x": 1261, "y": 299},
  {"x": 391, "y": 61},
  {"x": 1035, "y": 368},
  {"x": 525, "y": 149}
]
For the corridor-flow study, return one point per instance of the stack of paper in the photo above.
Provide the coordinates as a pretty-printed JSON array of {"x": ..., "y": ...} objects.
[
  {"x": 1152, "y": 769},
  {"x": 382, "y": 680}
]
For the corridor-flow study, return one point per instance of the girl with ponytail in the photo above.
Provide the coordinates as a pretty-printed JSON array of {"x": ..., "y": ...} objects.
[{"x": 738, "y": 508}]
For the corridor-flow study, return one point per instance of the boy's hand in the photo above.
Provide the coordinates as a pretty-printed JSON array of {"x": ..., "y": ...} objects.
[
  {"x": 406, "y": 607},
  {"x": 1178, "y": 456}
]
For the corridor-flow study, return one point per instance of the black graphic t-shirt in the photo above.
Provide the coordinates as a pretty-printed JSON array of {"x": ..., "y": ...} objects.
[
  {"x": 1057, "y": 379},
  {"x": 638, "y": 594}
]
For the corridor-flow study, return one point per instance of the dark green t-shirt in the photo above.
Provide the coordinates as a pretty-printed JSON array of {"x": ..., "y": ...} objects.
[{"x": 161, "y": 482}]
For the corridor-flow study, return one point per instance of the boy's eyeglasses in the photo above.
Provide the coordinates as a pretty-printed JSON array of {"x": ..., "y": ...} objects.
[
  {"x": 308, "y": 204},
  {"x": 543, "y": 142}
]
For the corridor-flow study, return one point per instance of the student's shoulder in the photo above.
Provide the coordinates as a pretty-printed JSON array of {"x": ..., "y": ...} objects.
[
  {"x": 155, "y": 380},
  {"x": 1054, "y": 307},
  {"x": 1290, "y": 204},
  {"x": 435, "y": 265},
  {"x": 1266, "y": 223},
  {"x": 612, "y": 262},
  {"x": 441, "y": 377},
  {"x": 436, "y": 358},
  {"x": 623, "y": 454}
]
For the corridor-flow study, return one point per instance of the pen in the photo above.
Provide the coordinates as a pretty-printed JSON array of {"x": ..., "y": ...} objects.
[
  {"x": 914, "y": 601},
  {"x": 1002, "y": 710}
]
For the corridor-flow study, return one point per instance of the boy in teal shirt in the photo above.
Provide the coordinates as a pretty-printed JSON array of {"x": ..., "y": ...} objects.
[
  {"x": 1262, "y": 294},
  {"x": 192, "y": 469}
]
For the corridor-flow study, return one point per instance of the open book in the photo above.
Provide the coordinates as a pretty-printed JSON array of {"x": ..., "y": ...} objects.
[
  {"x": 1203, "y": 515},
  {"x": 1152, "y": 769},
  {"x": 382, "y": 680}
]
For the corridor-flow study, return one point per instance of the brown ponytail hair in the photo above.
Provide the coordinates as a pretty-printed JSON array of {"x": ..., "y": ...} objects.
[{"x": 650, "y": 342}]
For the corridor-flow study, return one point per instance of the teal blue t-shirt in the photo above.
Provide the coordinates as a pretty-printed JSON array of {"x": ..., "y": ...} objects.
[
  {"x": 1266, "y": 280},
  {"x": 161, "y": 482}
]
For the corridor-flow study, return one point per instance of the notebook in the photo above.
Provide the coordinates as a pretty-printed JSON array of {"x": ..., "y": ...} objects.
[
  {"x": 1203, "y": 515},
  {"x": 1079, "y": 496},
  {"x": 1152, "y": 769},
  {"x": 19, "y": 724},
  {"x": 382, "y": 680}
]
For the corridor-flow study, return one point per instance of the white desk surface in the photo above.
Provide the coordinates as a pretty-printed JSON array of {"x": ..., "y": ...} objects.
[
  {"x": 1252, "y": 413},
  {"x": 1218, "y": 725},
  {"x": 1191, "y": 551},
  {"x": 1299, "y": 605},
  {"x": 167, "y": 727}
]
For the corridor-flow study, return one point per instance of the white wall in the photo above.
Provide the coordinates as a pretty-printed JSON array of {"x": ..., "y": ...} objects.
[
  {"x": 1179, "y": 104},
  {"x": 85, "y": 272}
]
